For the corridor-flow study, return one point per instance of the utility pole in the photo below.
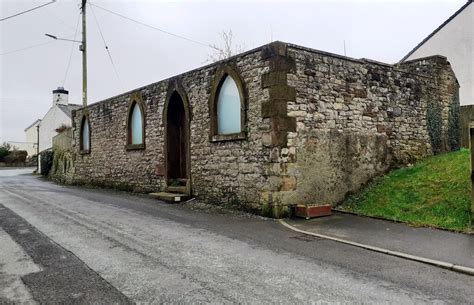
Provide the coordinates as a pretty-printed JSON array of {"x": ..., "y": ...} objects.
[
  {"x": 38, "y": 148},
  {"x": 83, "y": 48},
  {"x": 471, "y": 146}
]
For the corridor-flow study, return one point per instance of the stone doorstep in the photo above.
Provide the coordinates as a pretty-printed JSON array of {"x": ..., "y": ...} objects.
[
  {"x": 176, "y": 189},
  {"x": 170, "y": 197}
]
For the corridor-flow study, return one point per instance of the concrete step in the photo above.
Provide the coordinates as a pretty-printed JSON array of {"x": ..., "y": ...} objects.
[{"x": 170, "y": 197}]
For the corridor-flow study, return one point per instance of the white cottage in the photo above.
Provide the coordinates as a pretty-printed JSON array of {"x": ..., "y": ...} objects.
[{"x": 58, "y": 115}]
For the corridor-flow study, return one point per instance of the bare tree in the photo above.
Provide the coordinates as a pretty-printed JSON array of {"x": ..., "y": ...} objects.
[{"x": 227, "y": 50}]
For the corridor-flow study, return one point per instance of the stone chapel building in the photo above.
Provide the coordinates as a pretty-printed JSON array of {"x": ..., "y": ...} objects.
[{"x": 277, "y": 125}]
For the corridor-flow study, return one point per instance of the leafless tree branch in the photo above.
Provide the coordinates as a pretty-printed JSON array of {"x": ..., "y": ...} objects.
[{"x": 227, "y": 50}]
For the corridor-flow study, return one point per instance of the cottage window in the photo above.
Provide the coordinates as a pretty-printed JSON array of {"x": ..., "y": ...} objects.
[
  {"x": 85, "y": 136},
  {"x": 135, "y": 127},
  {"x": 228, "y": 108}
]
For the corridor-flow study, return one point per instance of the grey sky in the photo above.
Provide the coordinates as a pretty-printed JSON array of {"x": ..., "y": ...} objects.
[{"x": 375, "y": 29}]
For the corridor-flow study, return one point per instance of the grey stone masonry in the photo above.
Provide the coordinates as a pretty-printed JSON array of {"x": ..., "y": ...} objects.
[{"x": 316, "y": 126}]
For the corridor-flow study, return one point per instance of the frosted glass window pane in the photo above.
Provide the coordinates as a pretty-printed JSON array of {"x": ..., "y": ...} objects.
[
  {"x": 136, "y": 125},
  {"x": 85, "y": 135},
  {"x": 228, "y": 108}
]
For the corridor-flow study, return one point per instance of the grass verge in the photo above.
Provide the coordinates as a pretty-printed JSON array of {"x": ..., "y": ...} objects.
[{"x": 436, "y": 192}]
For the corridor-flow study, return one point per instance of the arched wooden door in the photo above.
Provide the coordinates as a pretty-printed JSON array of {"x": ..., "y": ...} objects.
[{"x": 177, "y": 142}]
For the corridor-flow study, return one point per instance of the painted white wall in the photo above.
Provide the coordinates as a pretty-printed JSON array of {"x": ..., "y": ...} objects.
[
  {"x": 60, "y": 98},
  {"x": 31, "y": 133},
  {"x": 455, "y": 41},
  {"x": 30, "y": 144},
  {"x": 54, "y": 118}
]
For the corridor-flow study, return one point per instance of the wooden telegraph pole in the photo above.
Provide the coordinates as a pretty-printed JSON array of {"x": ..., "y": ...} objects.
[
  {"x": 83, "y": 48},
  {"x": 471, "y": 146}
]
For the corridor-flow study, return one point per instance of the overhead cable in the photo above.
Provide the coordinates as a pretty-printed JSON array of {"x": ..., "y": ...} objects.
[
  {"x": 31, "y": 9},
  {"x": 27, "y": 48},
  {"x": 106, "y": 46},
  {"x": 155, "y": 28},
  {"x": 72, "y": 50}
]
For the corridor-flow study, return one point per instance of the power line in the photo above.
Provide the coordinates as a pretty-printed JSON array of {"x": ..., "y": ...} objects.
[
  {"x": 26, "y": 48},
  {"x": 155, "y": 28},
  {"x": 31, "y": 9},
  {"x": 106, "y": 47},
  {"x": 29, "y": 47},
  {"x": 72, "y": 50}
]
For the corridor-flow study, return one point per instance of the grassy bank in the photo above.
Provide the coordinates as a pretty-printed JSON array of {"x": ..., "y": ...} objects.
[{"x": 435, "y": 192}]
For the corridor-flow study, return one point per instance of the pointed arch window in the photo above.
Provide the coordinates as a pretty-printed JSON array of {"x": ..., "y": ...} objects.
[
  {"x": 227, "y": 106},
  {"x": 85, "y": 136},
  {"x": 135, "y": 126}
]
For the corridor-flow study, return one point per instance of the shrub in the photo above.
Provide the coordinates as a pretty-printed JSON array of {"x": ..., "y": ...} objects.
[
  {"x": 4, "y": 150},
  {"x": 61, "y": 128},
  {"x": 16, "y": 156},
  {"x": 46, "y": 162}
]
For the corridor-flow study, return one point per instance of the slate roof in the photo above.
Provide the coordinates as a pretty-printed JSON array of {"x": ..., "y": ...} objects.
[
  {"x": 67, "y": 109},
  {"x": 436, "y": 30},
  {"x": 32, "y": 124}
]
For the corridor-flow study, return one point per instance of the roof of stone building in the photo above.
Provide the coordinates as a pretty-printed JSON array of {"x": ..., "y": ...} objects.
[
  {"x": 32, "y": 124},
  {"x": 67, "y": 109},
  {"x": 436, "y": 30}
]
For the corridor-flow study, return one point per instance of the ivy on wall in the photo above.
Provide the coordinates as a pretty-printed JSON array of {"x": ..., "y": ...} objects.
[
  {"x": 58, "y": 155},
  {"x": 435, "y": 129},
  {"x": 454, "y": 124}
]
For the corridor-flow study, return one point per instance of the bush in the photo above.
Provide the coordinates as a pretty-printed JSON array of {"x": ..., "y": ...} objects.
[
  {"x": 32, "y": 160},
  {"x": 62, "y": 128},
  {"x": 4, "y": 150},
  {"x": 46, "y": 162},
  {"x": 16, "y": 156}
]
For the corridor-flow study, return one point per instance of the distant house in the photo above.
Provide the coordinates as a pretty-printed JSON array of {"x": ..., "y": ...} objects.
[
  {"x": 58, "y": 115},
  {"x": 453, "y": 39},
  {"x": 31, "y": 139}
]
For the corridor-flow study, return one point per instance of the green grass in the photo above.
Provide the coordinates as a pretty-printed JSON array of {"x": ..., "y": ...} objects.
[{"x": 436, "y": 192}]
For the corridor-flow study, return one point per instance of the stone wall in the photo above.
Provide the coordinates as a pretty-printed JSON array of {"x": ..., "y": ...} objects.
[
  {"x": 221, "y": 171},
  {"x": 355, "y": 119},
  {"x": 440, "y": 92},
  {"x": 317, "y": 127}
]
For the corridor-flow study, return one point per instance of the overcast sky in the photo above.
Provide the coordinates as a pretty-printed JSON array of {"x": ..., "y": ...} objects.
[{"x": 375, "y": 29}]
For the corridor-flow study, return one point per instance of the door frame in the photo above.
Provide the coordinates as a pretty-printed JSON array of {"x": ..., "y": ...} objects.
[{"x": 176, "y": 89}]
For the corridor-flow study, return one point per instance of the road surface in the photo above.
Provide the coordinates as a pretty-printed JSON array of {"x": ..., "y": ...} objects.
[{"x": 142, "y": 250}]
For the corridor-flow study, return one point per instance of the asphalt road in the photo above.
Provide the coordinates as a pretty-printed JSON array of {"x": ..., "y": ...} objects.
[{"x": 150, "y": 251}]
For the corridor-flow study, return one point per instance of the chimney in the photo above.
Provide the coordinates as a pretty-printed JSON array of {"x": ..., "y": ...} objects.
[{"x": 60, "y": 96}]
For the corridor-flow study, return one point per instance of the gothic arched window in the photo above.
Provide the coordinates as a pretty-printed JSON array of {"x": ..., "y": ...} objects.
[
  {"x": 85, "y": 137},
  {"x": 227, "y": 106},
  {"x": 135, "y": 126}
]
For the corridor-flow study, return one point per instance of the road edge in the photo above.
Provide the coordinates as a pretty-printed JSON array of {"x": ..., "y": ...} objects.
[
  {"x": 57, "y": 265},
  {"x": 433, "y": 262}
]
